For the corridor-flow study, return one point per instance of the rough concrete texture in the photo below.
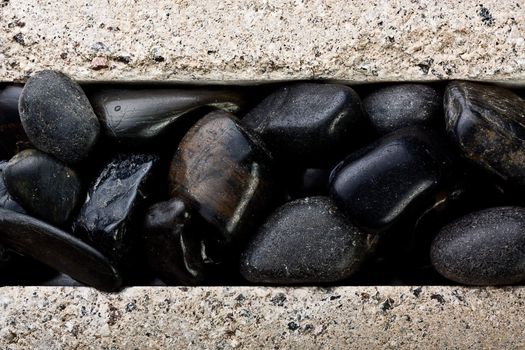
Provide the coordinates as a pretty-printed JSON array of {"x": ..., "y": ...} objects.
[
  {"x": 237, "y": 40},
  {"x": 255, "y": 318}
]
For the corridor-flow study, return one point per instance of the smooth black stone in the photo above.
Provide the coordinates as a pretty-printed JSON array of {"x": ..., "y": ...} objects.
[
  {"x": 57, "y": 249},
  {"x": 43, "y": 185},
  {"x": 12, "y": 135},
  {"x": 61, "y": 280},
  {"x": 142, "y": 114},
  {"x": 109, "y": 218},
  {"x": 488, "y": 125},
  {"x": 483, "y": 248},
  {"x": 391, "y": 180},
  {"x": 305, "y": 241},
  {"x": 178, "y": 245},
  {"x": 6, "y": 200},
  {"x": 308, "y": 124},
  {"x": 57, "y": 116},
  {"x": 397, "y": 106},
  {"x": 226, "y": 174}
]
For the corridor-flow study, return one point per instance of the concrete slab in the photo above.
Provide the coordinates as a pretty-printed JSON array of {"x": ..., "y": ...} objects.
[{"x": 236, "y": 40}]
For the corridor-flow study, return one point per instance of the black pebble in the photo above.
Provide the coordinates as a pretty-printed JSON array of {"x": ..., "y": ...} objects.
[
  {"x": 397, "y": 106},
  {"x": 43, "y": 185},
  {"x": 308, "y": 124},
  {"x": 305, "y": 241},
  {"x": 393, "y": 179},
  {"x": 58, "y": 249},
  {"x": 108, "y": 219},
  {"x": 57, "y": 117},
  {"x": 483, "y": 248}
]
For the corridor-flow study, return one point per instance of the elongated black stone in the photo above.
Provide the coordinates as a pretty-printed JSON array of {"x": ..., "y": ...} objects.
[
  {"x": 108, "y": 219},
  {"x": 57, "y": 117},
  {"x": 395, "y": 178},
  {"x": 44, "y": 186},
  {"x": 58, "y": 249},
  {"x": 488, "y": 125},
  {"x": 12, "y": 135},
  {"x": 142, "y": 114},
  {"x": 308, "y": 124}
]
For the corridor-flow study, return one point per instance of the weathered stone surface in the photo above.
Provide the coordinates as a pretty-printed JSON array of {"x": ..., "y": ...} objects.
[
  {"x": 199, "y": 40},
  {"x": 261, "y": 317}
]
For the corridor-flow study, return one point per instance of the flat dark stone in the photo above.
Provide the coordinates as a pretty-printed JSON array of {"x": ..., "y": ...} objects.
[
  {"x": 58, "y": 249},
  {"x": 178, "y": 247},
  {"x": 305, "y": 241},
  {"x": 308, "y": 124},
  {"x": 488, "y": 125},
  {"x": 142, "y": 114},
  {"x": 109, "y": 218},
  {"x": 397, "y": 106},
  {"x": 225, "y": 173},
  {"x": 483, "y": 248},
  {"x": 57, "y": 116},
  {"x": 393, "y": 179},
  {"x": 44, "y": 186}
]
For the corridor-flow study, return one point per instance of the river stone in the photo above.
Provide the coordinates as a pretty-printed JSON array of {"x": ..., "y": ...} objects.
[
  {"x": 308, "y": 124},
  {"x": 394, "y": 179},
  {"x": 108, "y": 219},
  {"x": 44, "y": 186},
  {"x": 397, "y": 106},
  {"x": 6, "y": 200},
  {"x": 128, "y": 114},
  {"x": 483, "y": 248},
  {"x": 226, "y": 174},
  {"x": 488, "y": 124},
  {"x": 58, "y": 249},
  {"x": 305, "y": 241},
  {"x": 57, "y": 116}
]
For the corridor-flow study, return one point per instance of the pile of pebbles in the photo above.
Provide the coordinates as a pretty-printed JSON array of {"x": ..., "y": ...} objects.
[{"x": 303, "y": 183}]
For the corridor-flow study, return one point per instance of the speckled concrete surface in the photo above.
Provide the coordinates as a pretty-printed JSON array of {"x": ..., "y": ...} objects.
[
  {"x": 254, "y": 318},
  {"x": 368, "y": 40}
]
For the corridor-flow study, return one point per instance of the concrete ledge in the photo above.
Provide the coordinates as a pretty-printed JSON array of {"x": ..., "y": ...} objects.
[
  {"x": 235, "y": 40},
  {"x": 254, "y": 318}
]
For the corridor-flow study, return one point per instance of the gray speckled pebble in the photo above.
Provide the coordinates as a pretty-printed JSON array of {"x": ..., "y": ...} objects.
[
  {"x": 305, "y": 241},
  {"x": 396, "y": 106},
  {"x": 57, "y": 117},
  {"x": 483, "y": 248}
]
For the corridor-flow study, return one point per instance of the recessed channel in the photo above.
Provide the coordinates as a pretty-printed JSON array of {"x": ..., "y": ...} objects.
[{"x": 289, "y": 183}]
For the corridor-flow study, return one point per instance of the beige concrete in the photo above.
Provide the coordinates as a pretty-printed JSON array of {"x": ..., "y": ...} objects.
[
  {"x": 369, "y": 40},
  {"x": 256, "y": 318}
]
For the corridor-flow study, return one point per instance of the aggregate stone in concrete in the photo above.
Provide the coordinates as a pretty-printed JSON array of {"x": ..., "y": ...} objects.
[
  {"x": 254, "y": 318},
  {"x": 237, "y": 40}
]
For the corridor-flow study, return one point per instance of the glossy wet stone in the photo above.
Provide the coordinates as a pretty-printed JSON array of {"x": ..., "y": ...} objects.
[
  {"x": 142, "y": 114},
  {"x": 305, "y": 241},
  {"x": 394, "y": 179},
  {"x": 397, "y": 106},
  {"x": 58, "y": 249},
  {"x": 308, "y": 124},
  {"x": 57, "y": 116},
  {"x": 225, "y": 173},
  {"x": 488, "y": 125},
  {"x": 6, "y": 200},
  {"x": 483, "y": 248},
  {"x": 12, "y": 135},
  {"x": 178, "y": 245},
  {"x": 43, "y": 185},
  {"x": 110, "y": 215}
]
